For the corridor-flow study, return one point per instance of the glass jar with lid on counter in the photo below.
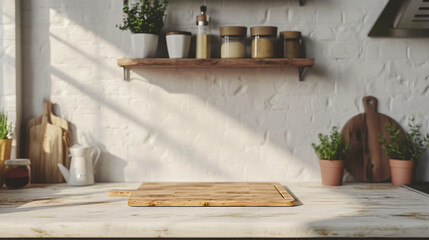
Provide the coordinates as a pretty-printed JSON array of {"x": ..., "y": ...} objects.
[
  {"x": 17, "y": 173},
  {"x": 263, "y": 41},
  {"x": 233, "y": 41}
]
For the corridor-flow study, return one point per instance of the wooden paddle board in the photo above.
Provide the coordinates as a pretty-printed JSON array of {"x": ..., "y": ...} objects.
[
  {"x": 56, "y": 121},
  {"x": 46, "y": 151},
  {"x": 365, "y": 159},
  {"x": 211, "y": 194},
  {"x": 48, "y": 140}
]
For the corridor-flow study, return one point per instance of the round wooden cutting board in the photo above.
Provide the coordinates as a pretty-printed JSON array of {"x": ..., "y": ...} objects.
[{"x": 365, "y": 159}]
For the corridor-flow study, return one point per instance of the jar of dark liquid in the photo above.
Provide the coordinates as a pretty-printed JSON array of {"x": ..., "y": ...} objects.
[{"x": 17, "y": 173}]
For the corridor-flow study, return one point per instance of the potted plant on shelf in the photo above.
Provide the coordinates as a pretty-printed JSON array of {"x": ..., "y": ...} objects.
[
  {"x": 403, "y": 150},
  {"x": 5, "y": 142},
  {"x": 144, "y": 19},
  {"x": 331, "y": 151}
]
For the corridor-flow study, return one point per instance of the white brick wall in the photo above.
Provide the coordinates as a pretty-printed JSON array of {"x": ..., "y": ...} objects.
[
  {"x": 7, "y": 56},
  {"x": 8, "y": 62},
  {"x": 217, "y": 124}
]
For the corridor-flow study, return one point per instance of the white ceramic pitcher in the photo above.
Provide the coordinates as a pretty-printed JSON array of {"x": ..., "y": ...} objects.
[{"x": 83, "y": 160}]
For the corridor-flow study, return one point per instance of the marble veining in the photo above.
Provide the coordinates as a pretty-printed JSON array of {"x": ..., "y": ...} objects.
[{"x": 352, "y": 210}]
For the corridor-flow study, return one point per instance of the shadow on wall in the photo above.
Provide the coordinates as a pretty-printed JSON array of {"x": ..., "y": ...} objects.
[
  {"x": 8, "y": 62},
  {"x": 163, "y": 138},
  {"x": 422, "y": 168},
  {"x": 260, "y": 127},
  {"x": 233, "y": 140},
  {"x": 320, "y": 68},
  {"x": 108, "y": 166},
  {"x": 239, "y": 111},
  {"x": 34, "y": 94},
  {"x": 36, "y": 90}
]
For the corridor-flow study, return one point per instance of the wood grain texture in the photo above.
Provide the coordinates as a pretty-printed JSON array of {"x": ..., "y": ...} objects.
[
  {"x": 365, "y": 159},
  {"x": 214, "y": 62},
  {"x": 48, "y": 140},
  {"x": 56, "y": 121},
  {"x": 46, "y": 151},
  {"x": 220, "y": 194},
  {"x": 119, "y": 193}
]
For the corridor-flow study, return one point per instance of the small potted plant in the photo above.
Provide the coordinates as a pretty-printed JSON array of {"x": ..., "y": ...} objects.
[
  {"x": 5, "y": 142},
  {"x": 403, "y": 151},
  {"x": 331, "y": 151},
  {"x": 144, "y": 19}
]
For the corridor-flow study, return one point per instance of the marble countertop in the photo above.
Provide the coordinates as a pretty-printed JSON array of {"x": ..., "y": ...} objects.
[{"x": 352, "y": 210}]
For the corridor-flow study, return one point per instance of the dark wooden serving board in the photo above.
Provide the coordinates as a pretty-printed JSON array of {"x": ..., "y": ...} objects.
[{"x": 365, "y": 159}]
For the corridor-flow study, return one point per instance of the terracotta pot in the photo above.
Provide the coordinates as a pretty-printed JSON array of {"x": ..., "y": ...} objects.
[
  {"x": 5, "y": 149},
  {"x": 332, "y": 172},
  {"x": 401, "y": 171}
]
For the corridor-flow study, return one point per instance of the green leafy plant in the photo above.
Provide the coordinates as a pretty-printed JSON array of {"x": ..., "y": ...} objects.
[
  {"x": 331, "y": 147},
  {"x": 5, "y": 128},
  {"x": 409, "y": 146},
  {"x": 144, "y": 16}
]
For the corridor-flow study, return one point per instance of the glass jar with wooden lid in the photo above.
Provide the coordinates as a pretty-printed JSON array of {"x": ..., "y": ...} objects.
[
  {"x": 292, "y": 45},
  {"x": 233, "y": 41},
  {"x": 263, "y": 41}
]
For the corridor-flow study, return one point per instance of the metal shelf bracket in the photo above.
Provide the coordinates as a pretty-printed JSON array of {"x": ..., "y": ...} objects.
[
  {"x": 126, "y": 74},
  {"x": 302, "y": 71}
]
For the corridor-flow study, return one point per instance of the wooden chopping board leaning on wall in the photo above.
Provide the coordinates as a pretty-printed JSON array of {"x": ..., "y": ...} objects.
[
  {"x": 48, "y": 142},
  {"x": 365, "y": 158}
]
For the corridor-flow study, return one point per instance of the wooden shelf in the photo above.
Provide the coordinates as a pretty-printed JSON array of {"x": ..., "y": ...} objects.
[{"x": 301, "y": 63}]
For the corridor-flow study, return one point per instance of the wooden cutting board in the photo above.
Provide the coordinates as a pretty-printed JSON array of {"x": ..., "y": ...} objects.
[
  {"x": 46, "y": 144},
  {"x": 211, "y": 194},
  {"x": 46, "y": 151},
  {"x": 365, "y": 159},
  {"x": 56, "y": 121}
]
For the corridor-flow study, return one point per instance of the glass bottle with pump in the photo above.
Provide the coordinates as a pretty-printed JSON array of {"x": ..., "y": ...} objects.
[{"x": 203, "y": 34}]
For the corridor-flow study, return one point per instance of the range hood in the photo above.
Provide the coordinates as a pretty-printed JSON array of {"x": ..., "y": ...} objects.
[{"x": 403, "y": 18}]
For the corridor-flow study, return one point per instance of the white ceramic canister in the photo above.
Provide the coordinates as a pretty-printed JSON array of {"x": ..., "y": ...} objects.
[{"x": 178, "y": 44}]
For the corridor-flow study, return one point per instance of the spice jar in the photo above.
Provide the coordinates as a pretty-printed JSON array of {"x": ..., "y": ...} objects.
[
  {"x": 263, "y": 39},
  {"x": 233, "y": 42},
  {"x": 17, "y": 173},
  {"x": 291, "y": 44}
]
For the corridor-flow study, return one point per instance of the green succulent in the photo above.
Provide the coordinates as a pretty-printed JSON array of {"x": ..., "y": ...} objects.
[
  {"x": 331, "y": 147},
  {"x": 144, "y": 16},
  {"x": 409, "y": 146},
  {"x": 5, "y": 128}
]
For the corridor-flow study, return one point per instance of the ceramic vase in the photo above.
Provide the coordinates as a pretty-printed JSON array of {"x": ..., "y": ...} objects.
[
  {"x": 332, "y": 172},
  {"x": 401, "y": 171},
  {"x": 144, "y": 45}
]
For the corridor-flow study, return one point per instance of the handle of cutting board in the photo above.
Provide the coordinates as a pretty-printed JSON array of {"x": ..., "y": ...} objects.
[
  {"x": 370, "y": 104},
  {"x": 47, "y": 111},
  {"x": 119, "y": 193}
]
